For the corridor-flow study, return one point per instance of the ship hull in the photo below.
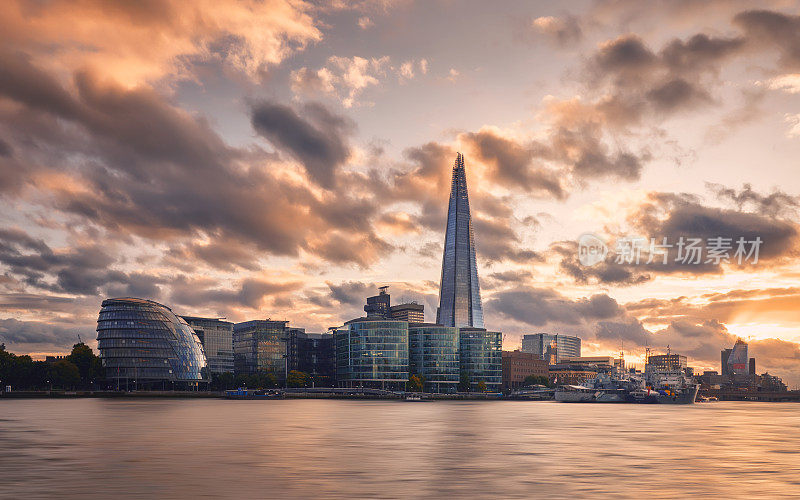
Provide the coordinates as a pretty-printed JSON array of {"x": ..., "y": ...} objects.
[{"x": 574, "y": 397}]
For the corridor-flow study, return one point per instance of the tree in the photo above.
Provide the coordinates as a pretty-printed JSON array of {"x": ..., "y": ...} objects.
[
  {"x": 89, "y": 365},
  {"x": 297, "y": 378},
  {"x": 481, "y": 386},
  {"x": 222, "y": 381},
  {"x": 64, "y": 374},
  {"x": 416, "y": 383},
  {"x": 536, "y": 380},
  {"x": 464, "y": 383}
]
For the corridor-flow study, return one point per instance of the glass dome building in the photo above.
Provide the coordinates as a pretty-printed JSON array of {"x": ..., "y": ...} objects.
[{"x": 143, "y": 344}]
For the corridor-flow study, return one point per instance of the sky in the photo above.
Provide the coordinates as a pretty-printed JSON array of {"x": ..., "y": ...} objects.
[{"x": 281, "y": 159}]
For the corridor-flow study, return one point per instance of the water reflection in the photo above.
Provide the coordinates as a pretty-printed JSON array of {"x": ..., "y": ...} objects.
[{"x": 284, "y": 448}]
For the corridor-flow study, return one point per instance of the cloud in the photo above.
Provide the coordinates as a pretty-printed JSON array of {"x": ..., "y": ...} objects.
[
  {"x": 346, "y": 78},
  {"x": 539, "y": 306},
  {"x": 774, "y": 204},
  {"x": 767, "y": 29},
  {"x": 603, "y": 323},
  {"x": 513, "y": 164},
  {"x": 342, "y": 77},
  {"x": 565, "y": 30},
  {"x": 318, "y": 140},
  {"x": 18, "y": 333},
  {"x": 145, "y": 42},
  {"x": 641, "y": 81},
  {"x": 117, "y": 171},
  {"x": 365, "y": 22},
  {"x": 206, "y": 293}
]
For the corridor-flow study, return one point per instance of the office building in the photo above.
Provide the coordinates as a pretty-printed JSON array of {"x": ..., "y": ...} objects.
[
  {"x": 411, "y": 312},
  {"x": 552, "y": 348},
  {"x": 372, "y": 352},
  {"x": 752, "y": 367},
  {"x": 217, "y": 339},
  {"x": 260, "y": 346},
  {"x": 433, "y": 352},
  {"x": 481, "y": 356},
  {"x": 737, "y": 360},
  {"x": 144, "y": 345},
  {"x": 378, "y": 305},
  {"x": 724, "y": 355},
  {"x": 518, "y": 365},
  {"x": 667, "y": 362},
  {"x": 459, "y": 293},
  {"x": 314, "y": 354}
]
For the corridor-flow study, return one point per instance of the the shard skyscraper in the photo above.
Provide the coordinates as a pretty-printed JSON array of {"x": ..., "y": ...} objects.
[{"x": 459, "y": 293}]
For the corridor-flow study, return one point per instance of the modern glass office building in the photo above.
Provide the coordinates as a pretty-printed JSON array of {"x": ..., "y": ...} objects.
[
  {"x": 314, "y": 354},
  {"x": 217, "y": 339},
  {"x": 433, "y": 354},
  {"x": 143, "y": 344},
  {"x": 481, "y": 356},
  {"x": 541, "y": 344},
  {"x": 459, "y": 293},
  {"x": 260, "y": 346},
  {"x": 738, "y": 359},
  {"x": 372, "y": 353}
]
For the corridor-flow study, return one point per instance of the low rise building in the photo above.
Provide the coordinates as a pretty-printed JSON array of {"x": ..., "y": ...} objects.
[{"x": 518, "y": 365}]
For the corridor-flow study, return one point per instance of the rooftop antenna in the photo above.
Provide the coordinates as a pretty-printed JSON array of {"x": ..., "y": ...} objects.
[{"x": 79, "y": 339}]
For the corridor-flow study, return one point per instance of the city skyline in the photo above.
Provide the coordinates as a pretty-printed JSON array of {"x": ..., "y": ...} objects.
[{"x": 284, "y": 159}]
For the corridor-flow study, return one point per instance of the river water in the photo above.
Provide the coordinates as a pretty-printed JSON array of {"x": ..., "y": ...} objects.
[{"x": 207, "y": 448}]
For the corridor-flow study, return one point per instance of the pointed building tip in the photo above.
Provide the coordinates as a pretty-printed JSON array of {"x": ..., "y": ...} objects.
[{"x": 459, "y": 160}]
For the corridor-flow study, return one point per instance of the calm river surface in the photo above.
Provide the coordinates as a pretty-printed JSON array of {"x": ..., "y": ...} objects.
[{"x": 99, "y": 448}]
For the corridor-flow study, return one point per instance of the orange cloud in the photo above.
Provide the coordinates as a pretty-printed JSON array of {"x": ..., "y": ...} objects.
[{"x": 141, "y": 42}]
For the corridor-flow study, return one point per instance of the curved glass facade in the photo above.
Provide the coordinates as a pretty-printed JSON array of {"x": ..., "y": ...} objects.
[
  {"x": 372, "y": 353},
  {"x": 482, "y": 356},
  {"x": 433, "y": 354},
  {"x": 145, "y": 343}
]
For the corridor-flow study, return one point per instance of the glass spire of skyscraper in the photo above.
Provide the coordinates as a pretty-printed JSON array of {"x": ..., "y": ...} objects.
[{"x": 459, "y": 294}]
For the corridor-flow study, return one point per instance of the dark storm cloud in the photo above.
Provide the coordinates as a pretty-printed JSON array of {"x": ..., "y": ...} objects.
[{"x": 318, "y": 139}]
